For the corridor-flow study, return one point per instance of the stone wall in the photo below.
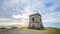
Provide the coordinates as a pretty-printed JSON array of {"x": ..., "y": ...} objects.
[{"x": 37, "y": 23}]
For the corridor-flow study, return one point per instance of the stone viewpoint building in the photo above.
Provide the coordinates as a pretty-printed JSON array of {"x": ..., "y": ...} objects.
[{"x": 35, "y": 21}]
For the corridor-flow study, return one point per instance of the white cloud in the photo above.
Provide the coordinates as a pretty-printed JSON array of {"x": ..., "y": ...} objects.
[
  {"x": 52, "y": 17},
  {"x": 27, "y": 7},
  {"x": 17, "y": 16},
  {"x": 51, "y": 20},
  {"x": 4, "y": 19}
]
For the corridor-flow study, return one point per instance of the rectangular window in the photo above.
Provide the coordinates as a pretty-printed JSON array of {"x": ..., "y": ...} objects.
[
  {"x": 32, "y": 19},
  {"x": 40, "y": 19}
]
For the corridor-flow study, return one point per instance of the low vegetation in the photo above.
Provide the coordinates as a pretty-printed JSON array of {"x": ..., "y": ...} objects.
[
  {"x": 8, "y": 28},
  {"x": 13, "y": 27},
  {"x": 58, "y": 30},
  {"x": 3, "y": 28},
  {"x": 36, "y": 28}
]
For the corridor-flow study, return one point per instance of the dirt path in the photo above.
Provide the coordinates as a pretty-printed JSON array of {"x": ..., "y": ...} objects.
[{"x": 28, "y": 31}]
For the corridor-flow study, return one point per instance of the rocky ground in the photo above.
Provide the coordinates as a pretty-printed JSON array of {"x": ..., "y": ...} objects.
[{"x": 27, "y": 31}]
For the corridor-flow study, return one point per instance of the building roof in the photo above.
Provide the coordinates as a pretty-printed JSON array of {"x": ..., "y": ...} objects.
[{"x": 35, "y": 14}]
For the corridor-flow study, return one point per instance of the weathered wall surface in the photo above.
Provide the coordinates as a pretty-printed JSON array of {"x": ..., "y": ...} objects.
[{"x": 37, "y": 23}]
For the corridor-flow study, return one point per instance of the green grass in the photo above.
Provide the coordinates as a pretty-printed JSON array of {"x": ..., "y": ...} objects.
[
  {"x": 3, "y": 28},
  {"x": 58, "y": 30},
  {"x": 13, "y": 28},
  {"x": 8, "y": 28}
]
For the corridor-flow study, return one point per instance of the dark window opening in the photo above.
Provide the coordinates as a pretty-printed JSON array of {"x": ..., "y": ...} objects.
[
  {"x": 40, "y": 19},
  {"x": 33, "y": 19}
]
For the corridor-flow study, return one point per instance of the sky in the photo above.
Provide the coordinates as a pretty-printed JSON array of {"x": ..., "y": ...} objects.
[{"x": 14, "y": 12}]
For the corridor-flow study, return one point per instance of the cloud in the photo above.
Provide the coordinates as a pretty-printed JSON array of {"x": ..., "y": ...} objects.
[
  {"x": 18, "y": 11},
  {"x": 4, "y": 19},
  {"x": 52, "y": 17},
  {"x": 51, "y": 20},
  {"x": 17, "y": 16}
]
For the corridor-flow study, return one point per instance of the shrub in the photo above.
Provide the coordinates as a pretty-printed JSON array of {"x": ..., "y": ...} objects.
[
  {"x": 13, "y": 27},
  {"x": 3, "y": 28}
]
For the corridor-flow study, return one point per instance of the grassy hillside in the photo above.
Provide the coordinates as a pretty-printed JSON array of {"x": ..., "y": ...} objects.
[
  {"x": 47, "y": 30},
  {"x": 58, "y": 30}
]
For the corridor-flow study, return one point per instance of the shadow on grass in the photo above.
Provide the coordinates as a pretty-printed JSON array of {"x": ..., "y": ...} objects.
[{"x": 37, "y": 28}]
